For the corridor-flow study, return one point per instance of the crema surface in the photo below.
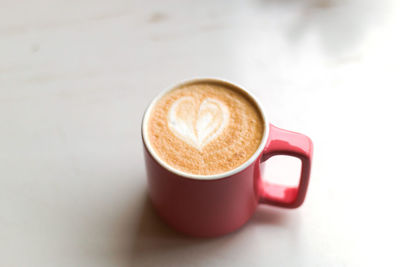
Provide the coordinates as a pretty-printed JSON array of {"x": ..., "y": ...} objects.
[{"x": 205, "y": 128}]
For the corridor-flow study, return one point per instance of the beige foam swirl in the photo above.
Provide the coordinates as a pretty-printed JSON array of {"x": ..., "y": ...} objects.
[{"x": 205, "y": 128}]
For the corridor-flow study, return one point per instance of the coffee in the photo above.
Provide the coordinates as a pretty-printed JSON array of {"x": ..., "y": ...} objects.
[{"x": 205, "y": 128}]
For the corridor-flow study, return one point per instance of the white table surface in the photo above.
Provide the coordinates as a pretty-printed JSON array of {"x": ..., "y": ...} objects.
[{"x": 76, "y": 76}]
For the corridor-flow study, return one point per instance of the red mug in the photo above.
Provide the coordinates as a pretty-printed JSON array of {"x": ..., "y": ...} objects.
[{"x": 208, "y": 206}]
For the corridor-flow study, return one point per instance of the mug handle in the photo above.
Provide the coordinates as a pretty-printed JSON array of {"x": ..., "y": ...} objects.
[{"x": 283, "y": 142}]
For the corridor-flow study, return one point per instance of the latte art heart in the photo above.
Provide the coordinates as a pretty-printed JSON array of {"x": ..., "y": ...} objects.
[{"x": 197, "y": 126}]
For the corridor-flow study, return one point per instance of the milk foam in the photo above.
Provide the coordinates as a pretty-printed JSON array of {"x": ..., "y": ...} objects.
[
  {"x": 205, "y": 128},
  {"x": 198, "y": 125}
]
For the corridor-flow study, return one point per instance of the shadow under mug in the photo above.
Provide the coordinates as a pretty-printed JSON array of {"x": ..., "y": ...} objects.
[{"x": 213, "y": 205}]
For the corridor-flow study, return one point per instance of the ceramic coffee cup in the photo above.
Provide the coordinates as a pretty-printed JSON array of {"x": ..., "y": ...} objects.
[{"x": 218, "y": 204}]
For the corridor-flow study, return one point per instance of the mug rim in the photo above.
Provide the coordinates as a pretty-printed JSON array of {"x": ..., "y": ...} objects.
[{"x": 229, "y": 173}]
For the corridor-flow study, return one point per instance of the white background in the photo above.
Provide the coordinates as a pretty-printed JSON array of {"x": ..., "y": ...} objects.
[{"x": 76, "y": 76}]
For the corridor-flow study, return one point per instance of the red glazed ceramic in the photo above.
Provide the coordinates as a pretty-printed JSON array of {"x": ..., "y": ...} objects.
[{"x": 214, "y": 205}]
